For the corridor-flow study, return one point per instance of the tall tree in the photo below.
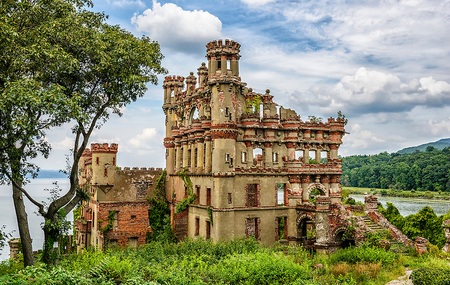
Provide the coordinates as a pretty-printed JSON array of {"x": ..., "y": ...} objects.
[{"x": 64, "y": 64}]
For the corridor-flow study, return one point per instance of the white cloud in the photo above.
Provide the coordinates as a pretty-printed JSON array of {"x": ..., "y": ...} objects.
[
  {"x": 257, "y": 3},
  {"x": 176, "y": 28},
  {"x": 126, "y": 3},
  {"x": 144, "y": 140}
]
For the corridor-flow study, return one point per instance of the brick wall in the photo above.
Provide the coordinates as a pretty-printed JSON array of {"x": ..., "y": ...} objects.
[{"x": 132, "y": 222}]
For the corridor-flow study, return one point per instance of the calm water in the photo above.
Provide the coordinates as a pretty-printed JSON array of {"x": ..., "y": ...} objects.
[
  {"x": 8, "y": 214},
  {"x": 409, "y": 206}
]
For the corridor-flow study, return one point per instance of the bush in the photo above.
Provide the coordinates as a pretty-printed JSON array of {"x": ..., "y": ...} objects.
[
  {"x": 435, "y": 276},
  {"x": 363, "y": 254}
]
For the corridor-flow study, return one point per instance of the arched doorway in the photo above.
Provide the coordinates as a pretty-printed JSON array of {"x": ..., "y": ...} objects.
[
  {"x": 343, "y": 238},
  {"x": 306, "y": 231}
]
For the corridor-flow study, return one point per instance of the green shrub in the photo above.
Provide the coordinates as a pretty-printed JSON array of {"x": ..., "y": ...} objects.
[
  {"x": 369, "y": 254},
  {"x": 427, "y": 276}
]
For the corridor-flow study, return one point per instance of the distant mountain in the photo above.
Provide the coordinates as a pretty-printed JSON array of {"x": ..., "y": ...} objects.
[
  {"x": 45, "y": 173},
  {"x": 440, "y": 144}
]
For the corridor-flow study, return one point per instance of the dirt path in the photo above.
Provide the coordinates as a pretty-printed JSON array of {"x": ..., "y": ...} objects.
[{"x": 402, "y": 280}]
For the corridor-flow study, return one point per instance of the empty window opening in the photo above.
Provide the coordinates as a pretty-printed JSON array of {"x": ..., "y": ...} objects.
[
  {"x": 197, "y": 194},
  {"x": 230, "y": 198},
  {"x": 194, "y": 113},
  {"x": 252, "y": 195},
  {"x": 172, "y": 93},
  {"x": 114, "y": 161},
  {"x": 133, "y": 218},
  {"x": 197, "y": 226},
  {"x": 282, "y": 228},
  {"x": 281, "y": 194},
  {"x": 208, "y": 196},
  {"x": 244, "y": 157},
  {"x": 323, "y": 156},
  {"x": 312, "y": 156},
  {"x": 195, "y": 157},
  {"x": 227, "y": 158},
  {"x": 208, "y": 230},
  {"x": 258, "y": 157},
  {"x": 97, "y": 160},
  {"x": 275, "y": 157},
  {"x": 252, "y": 228},
  {"x": 298, "y": 154},
  {"x": 113, "y": 217},
  {"x": 189, "y": 158}
]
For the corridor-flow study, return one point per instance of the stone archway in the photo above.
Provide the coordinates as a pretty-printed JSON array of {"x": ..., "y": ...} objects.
[
  {"x": 306, "y": 230},
  {"x": 322, "y": 191},
  {"x": 342, "y": 238}
]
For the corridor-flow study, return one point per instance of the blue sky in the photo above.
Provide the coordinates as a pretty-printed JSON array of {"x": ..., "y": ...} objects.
[{"x": 384, "y": 64}]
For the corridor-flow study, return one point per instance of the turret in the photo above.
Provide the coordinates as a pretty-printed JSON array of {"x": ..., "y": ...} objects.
[
  {"x": 173, "y": 85},
  {"x": 223, "y": 58},
  {"x": 103, "y": 163}
]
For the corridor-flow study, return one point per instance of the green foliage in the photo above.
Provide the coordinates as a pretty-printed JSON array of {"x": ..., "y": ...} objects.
[
  {"x": 363, "y": 254},
  {"x": 428, "y": 170},
  {"x": 191, "y": 196},
  {"x": 252, "y": 105},
  {"x": 435, "y": 276},
  {"x": 424, "y": 224},
  {"x": 159, "y": 213}
]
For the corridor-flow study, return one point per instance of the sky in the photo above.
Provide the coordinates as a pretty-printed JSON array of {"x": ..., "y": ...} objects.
[{"x": 384, "y": 64}]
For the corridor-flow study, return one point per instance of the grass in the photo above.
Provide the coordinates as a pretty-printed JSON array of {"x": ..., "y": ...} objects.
[{"x": 234, "y": 262}]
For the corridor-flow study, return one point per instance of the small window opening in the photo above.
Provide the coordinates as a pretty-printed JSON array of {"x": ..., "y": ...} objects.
[
  {"x": 197, "y": 226},
  {"x": 244, "y": 157},
  {"x": 230, "y": 199},
  {"x": 281, "y": 194}
]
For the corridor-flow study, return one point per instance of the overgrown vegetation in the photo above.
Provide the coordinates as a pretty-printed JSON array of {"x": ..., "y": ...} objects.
[
  {"x": 203, "y": 262},
  {"x": 159, "y": 214},
  {"x": 420, "y": 171},
  {"x": 423, "y": 224},
  {"x": 191, "y": 196}
]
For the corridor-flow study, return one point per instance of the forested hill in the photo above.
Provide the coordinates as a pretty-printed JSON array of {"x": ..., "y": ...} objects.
[
  {"x": 440, "y": 144},
  {"x": 421, "y": 170}
]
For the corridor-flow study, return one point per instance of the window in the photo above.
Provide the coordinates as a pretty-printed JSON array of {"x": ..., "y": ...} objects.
[
  {"x": 189, "y": 158},
  {"x": 114, "y": 161},
  {"x": 208, "y": 196},
  {"x": 252, "y": 228},
  {"x": 227, "y": 158},
  {"x": 323, "y": 157},
  {"x": 133, "y": 219},
  {"x": 281, "y": 228},
  {"x": 197, "y": 193},
  {"x": 208, "y": 230},
  {"x": 105, "y": 172},
  {"x": 113, "y": 216},
  {"x": 197, "y": 226},
  {"x": 281, "y": 194},
  {"x": 243, "y": 157},
  {"x": 275, "y": 157},
  {"x": 252, "y": 195},
  {"x": 230, "y": 200},
  {"x": 97, "y": 160}
]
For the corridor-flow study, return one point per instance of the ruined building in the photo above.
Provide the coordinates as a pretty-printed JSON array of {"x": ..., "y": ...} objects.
[
  {"x": 238, "y": 165},
  {"x": 117, "y": 212},
  {"x": 254, "y": 165}
]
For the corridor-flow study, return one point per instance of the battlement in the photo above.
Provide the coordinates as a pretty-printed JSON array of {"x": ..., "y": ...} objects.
[
  {"x": 104, "y": 147},
  {"x": 155, "y": 169},
  {"x": 173, "y": 80},
  {"x": 220, "y": 47}
]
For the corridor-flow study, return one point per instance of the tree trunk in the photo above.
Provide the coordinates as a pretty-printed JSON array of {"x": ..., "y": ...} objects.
[{"x": 22, "y": 222}]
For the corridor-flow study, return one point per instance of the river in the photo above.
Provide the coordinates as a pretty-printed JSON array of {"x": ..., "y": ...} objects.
[
  {"x": 409, "y": 206},
  {"x": 8, "y": 216}
]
